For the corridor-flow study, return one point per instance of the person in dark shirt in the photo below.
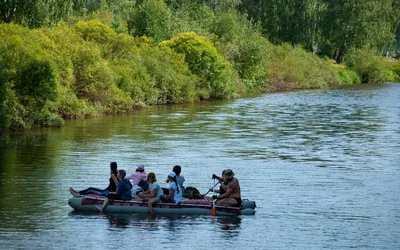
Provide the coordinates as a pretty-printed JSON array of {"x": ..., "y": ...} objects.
[
  {"x": 112, "y": 186},
  {"x": 124, "y": 190}
]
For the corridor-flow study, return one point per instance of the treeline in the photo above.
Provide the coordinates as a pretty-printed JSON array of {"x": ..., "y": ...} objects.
[
  {"x": 77, "y": 58},
  {"x": 329, "y": 27}
]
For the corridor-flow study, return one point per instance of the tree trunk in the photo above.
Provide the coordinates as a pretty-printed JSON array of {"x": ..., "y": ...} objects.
[
  {"x": 340, "y": 55},
  {"x": 9, "y": 8}
]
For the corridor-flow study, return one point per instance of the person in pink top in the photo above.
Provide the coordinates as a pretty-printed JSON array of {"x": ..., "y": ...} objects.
[{"x": 137, "y": 176}]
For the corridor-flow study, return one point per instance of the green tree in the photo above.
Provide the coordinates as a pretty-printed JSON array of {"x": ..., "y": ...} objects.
[
  {"x": 354, "y": 24},
  {"x": 151, "y": 18},
  {"x": 35, "y": 13}
]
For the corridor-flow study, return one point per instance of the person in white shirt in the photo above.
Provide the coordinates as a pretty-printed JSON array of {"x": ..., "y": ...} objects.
[{"x": 175, "y": 191}]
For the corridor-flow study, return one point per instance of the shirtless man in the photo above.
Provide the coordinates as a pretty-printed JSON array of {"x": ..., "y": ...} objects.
[{"x": 231, "y": 197}]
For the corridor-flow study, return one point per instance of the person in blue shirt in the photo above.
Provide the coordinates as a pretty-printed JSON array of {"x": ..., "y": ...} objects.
[
  {"x": 153, "y": 194},
  {"x": 124, "y": 190}
]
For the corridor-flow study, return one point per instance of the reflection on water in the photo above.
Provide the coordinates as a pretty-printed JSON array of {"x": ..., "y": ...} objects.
[
  {"x": 231, "y": 224},
  {"x": 150, "y": 223},
  {"x": 322, "y": 165}
]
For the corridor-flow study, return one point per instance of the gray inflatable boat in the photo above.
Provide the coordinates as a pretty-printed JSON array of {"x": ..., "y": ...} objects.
[{"x": 185, "y": 207}]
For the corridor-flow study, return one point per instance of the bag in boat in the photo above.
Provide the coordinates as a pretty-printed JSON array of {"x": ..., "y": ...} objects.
[
  {"x": 144, "y": 185},
  {"x": 140, "y": 187},
  {"x": 192, "y": 193}
]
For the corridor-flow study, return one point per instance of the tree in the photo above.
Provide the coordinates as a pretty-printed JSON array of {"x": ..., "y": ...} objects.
[
  {"x": 151, "y": 18},
  {"x": 35, "y": 13},
  {"x": 354, "y": 24}
]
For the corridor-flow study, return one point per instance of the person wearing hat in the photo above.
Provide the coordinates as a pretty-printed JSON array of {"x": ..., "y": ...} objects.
[
  {"x": 137, "y": 176},
  {"x": 232, "y": 196},
  {"x": 175, "y": 191}
]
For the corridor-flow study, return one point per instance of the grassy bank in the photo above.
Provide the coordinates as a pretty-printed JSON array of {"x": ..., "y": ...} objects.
[{"x": 99, "y": 64}]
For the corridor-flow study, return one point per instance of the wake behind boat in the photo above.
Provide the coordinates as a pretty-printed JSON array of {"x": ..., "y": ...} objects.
[{"x": 204, "y": 206}]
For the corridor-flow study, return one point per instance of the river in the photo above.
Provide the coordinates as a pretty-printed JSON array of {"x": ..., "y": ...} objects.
[{"x": 322, "y": 165}]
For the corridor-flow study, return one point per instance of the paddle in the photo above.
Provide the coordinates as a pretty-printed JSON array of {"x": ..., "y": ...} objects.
[
  {"x": 213, "y": 208},
  {"x": 211, "y": 189}
]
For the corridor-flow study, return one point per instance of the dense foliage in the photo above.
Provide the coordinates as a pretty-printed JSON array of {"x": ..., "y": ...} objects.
[{"x": 77, "y": 58}]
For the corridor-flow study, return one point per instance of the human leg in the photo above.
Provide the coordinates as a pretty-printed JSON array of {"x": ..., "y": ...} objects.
[
  {"x": 144, "y": 196},
  {"x": 105, "y": 203},
  {"x": 91, "y": 190},
  {"x": 73, "y": 192},
  {"x": 227, "y": 202},
  {"x": 150, "y": 204}
]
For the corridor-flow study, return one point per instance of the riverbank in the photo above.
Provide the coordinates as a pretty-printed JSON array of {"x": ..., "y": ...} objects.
[{"x": 85, "y": 68}]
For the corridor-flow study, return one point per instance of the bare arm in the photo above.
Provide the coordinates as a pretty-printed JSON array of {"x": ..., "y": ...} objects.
[
  {"x": 130, "y": 177},
  {"x": 229, "y": 189},
  {"x": 154, "y": 192},
  {"x": 218, "y": 178},
  {"x": 115, "y": 179},
  {"x": 171, "y": 193}
]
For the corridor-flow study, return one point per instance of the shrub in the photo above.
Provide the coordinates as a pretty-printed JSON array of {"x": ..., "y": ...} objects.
[
  {"x": 95, "y": 80},
  {"x": 70, "y": 107},
  {"x": 244, "y": 47},
  {"x": 394, "y": 66},
  {"x": 29, "y": 79},
  {"x": 216, "y": 77},
  {"x": 348, "y": 77},
  {"x": 368, "y": 66},
  {"x": 174, "y": 82},
  {"x": 294, "y": 68}
]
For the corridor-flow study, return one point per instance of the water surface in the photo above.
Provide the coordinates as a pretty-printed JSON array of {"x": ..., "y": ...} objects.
[{"x": 322, "y": 165}]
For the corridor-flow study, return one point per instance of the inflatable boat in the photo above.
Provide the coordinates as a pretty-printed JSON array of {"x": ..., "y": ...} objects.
[{"x": 185, "y": 207}]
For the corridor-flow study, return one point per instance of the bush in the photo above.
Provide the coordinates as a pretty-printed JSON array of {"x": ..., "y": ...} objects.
[
  {"x": 216, "y": 78},
  {"x": 246, "y": 49},
  {"x": 70, "y": 107},
  {"x": 345, "y": 75},
  {"x": 29, "y": 79},
  {"x": 348, "y": 77},
  {"x": 294, "y": 68},
  {"x": 368, "y": 66},
  {"x": 174, "y": 82},
  {"x": 394, "y": 66},
  {"x": 9, "y": 107}
]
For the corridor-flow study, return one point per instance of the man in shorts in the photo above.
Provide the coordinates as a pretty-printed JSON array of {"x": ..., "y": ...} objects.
[{"x": 232, "y": 196}]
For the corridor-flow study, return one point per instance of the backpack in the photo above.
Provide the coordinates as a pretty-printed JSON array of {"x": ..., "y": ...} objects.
[
  {"x": 192, "y": 193},
  {"x": 143, "y": 184}
]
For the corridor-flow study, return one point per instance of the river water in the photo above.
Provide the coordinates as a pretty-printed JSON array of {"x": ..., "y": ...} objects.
[{"x": 322, "y": 165}]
